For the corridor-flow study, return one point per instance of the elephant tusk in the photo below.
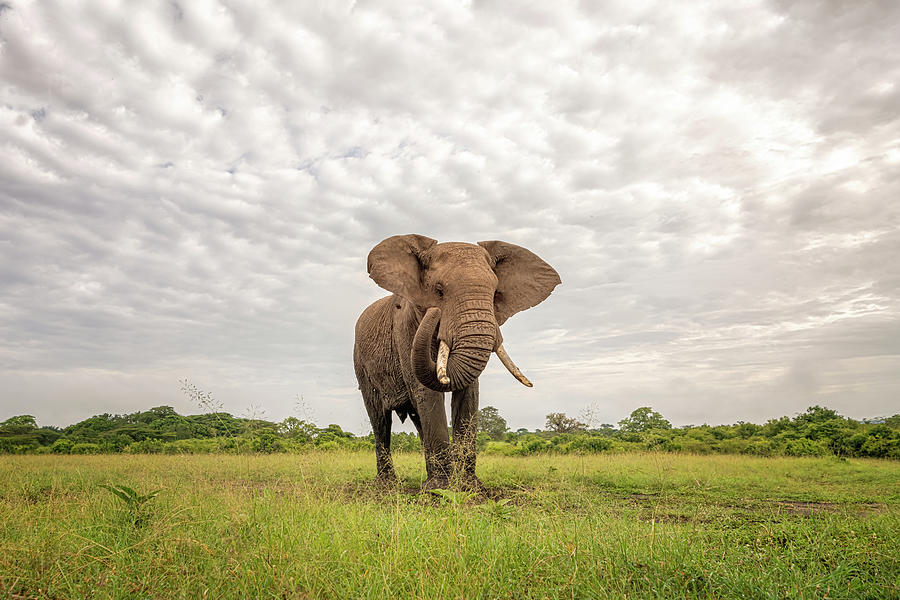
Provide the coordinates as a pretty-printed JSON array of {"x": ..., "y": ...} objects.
[
  {"x": 511, "y": 366},
  {"x": 443, "y": 355}
]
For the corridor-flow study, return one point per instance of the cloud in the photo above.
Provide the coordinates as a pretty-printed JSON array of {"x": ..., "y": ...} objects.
[{"x": 191, "y": 189}]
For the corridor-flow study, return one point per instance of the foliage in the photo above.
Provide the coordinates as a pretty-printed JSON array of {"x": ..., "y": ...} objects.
[
  {"x": 297, "y": 429},
  {"x": 498, "y": 509},
  {"x": 491, "y": 423},
  {"x": 644, "y": 419},
  {"x": 560, "y": 423},
  {"x": 454, "y": 498},
  {"x": 134, "y": 502},
  {"x": 161, "y": 430}
]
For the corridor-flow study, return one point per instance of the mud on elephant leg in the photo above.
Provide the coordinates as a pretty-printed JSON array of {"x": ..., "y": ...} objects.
[
  {"x": 464, "y": 407},
  {"x": 432, "y": 424}
]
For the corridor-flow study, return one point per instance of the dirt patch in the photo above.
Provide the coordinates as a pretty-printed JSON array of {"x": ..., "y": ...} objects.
[
  {"x": 370, "y": 491},
  {"x": 642, "y": 497},
  {"x": 802, "y": 507},
  {"x": 373, "y": 491},
  {"x": 258, "y": 487},
  {"x": 674, "y": 518},
  {"x": 868, "y": 508}
]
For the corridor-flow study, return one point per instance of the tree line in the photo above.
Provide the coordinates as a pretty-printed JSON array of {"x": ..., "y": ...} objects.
[{"x": 817, "y": 432}]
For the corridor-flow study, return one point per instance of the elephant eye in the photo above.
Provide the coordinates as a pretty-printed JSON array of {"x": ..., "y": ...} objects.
[{"x": 440, "y": 290}]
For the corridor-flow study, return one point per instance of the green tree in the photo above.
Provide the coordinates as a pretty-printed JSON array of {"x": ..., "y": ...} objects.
[
  {"x": 644, "y": 419},
  {"x": 491, "y": 423},
  {"x": 816, "y": 414},
  {"x": 297, "y": 429},
  {"x": 23, "y": 422},
  {"x": 560, "y": 423}
]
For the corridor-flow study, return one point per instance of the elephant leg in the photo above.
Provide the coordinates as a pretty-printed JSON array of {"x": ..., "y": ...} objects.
[
  {"x": 381, "y": 427},
  {"x": 432, "y": 424},
  {"x": 464, "y": 407}
]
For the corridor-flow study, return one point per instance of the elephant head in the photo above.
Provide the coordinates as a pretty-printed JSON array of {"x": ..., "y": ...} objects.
[{"x": 466, "y": 291}]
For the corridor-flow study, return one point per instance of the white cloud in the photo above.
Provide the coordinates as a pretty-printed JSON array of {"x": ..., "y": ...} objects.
[{"x": 191, "y": 189}]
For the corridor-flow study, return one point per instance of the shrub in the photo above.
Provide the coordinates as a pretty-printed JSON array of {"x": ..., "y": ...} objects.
[
  {"x": 805, "y": 447},
  {"x": 359, "y": 445},
  {"x": 882, "y": 446},
  {"x": 148, "y": 446},
  {"x": 85, "y": 448},
  {"x": 532, "y": 444},
  {"x": 61, "y": 446},
  {"x": 761, "y": 447},
  {"x": 734, "y": 446},
  {"x": 266, "y": 443},
  {"x": 501, "y": 449},
  {"x": 587, "y": 444},
  {"x": 690, "y": 445}
]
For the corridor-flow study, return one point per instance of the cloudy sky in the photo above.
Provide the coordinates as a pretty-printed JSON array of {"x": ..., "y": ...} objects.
[{"x": 190, "y": 190}]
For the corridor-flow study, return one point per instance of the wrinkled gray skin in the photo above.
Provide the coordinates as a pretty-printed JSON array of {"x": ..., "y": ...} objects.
[{"x": 456, "y": 292}]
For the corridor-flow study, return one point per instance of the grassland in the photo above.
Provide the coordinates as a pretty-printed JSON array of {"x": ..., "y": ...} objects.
[{"x": 311, "y": 526}]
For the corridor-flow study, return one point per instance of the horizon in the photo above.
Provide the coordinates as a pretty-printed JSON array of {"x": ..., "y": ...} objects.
[{"x": 590, "y": 426}]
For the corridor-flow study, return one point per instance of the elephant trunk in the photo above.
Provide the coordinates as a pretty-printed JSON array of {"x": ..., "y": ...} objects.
[
  {"x": 472, "y": 338},
  {"x": 469, "y": 355},
  {"x": 423, "y": 349}
]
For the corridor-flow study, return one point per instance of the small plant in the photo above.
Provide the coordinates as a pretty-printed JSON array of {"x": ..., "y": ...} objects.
[
  {"x": 134, "y": 503},
  {"x": 454, "y": 498},
  {"x": 498, "y": 509}
]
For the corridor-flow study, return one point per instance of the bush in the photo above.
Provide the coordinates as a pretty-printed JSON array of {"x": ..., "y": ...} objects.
[
  {"x": 733, "y": 446},
  {"x": 61, "y": 446},
  {"x": 193, "y": 446},
  {"x": 501, "y": 449},
  {"x": 690, "y": 445},
  {"x": 359, "y": 445},
  {"x": 532, "y": 444},
  {"x": 85, "y": 448},
  {"x": 805, "y": 447},
  {"x": 147, "y": 446},
  {"x": 266, "y": 443},
  {"x": 586, "y": 444},
  {"x": 401, "y": 442},
  {"x": 886, "y": 446}
]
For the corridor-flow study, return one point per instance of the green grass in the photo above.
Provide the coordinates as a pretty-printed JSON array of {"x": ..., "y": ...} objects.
[{"x": 311, "y": 526}]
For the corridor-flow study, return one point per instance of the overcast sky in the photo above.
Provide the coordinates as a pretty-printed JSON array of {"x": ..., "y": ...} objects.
[{"x": 189, "y": 189}]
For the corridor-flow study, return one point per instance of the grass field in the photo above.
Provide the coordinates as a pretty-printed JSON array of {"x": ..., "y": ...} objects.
[{"x": 311, "y": 526}]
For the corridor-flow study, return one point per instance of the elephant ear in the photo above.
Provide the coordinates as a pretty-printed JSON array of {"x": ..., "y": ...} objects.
[
  {"x": 524, "y": 279},
  {"x": 396, "y": 265}
]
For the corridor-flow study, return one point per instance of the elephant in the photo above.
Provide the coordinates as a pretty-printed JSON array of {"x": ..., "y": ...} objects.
[{"x": 435, "y": 334}]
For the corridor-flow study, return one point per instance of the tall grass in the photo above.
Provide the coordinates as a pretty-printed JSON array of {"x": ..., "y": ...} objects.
[{"x": 311, "y": 526}]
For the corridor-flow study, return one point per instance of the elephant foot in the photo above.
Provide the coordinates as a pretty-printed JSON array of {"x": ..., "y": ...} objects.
[
  {"x": 386, "y": 480},
  {"x": 471, "y": 483},
  {"x": 436, "y": 483}
]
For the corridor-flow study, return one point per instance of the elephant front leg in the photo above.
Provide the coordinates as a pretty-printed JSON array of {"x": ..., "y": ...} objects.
[
  {"x": 464, "y": 407},
  {"x": 431, "y": 421}
]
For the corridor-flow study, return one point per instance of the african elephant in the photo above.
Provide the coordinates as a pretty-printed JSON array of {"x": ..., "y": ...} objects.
[{"x": 435, "y": 334}]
